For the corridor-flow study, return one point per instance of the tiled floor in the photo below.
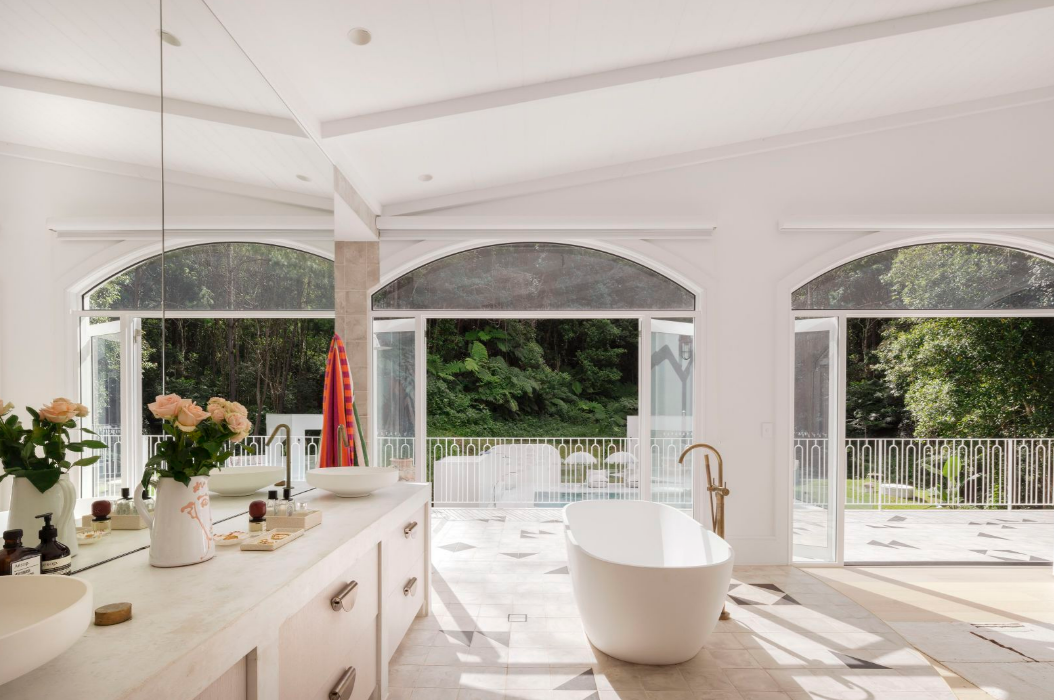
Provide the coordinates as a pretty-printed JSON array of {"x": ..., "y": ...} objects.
[
  {"x": 989, "y": 536},
  {"x": 993, "y": 627},
  {"x": 505, "y": 625}
]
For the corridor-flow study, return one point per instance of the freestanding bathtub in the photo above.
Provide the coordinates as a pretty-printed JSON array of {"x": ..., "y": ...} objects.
[{"x": 649, "y": 581}]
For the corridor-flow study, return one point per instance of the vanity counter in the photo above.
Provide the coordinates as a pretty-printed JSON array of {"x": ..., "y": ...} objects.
[{"x": 194, "y": 628}]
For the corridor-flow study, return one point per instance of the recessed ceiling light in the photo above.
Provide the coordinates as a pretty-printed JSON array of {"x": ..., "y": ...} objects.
[
  {"x": 169, "y": 38},
  {"x": 303, "y": 178},
  {"x": 360, "y": 36},
  {"x": 425, "y": 178}
]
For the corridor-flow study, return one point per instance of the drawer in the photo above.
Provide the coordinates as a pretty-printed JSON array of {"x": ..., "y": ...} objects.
[
  {"x": 317, "y": 644},
  {"x": 403, "y": 604},
  {"x": 403, "y": 552}
]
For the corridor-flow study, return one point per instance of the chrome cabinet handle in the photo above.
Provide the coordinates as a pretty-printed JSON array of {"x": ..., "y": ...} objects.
[
  {"x": 346, "y": 684},
  {"x": 408, "y": 531},
  {"x": 411, "y": 587},
  {"x": 345, "y": 600}
]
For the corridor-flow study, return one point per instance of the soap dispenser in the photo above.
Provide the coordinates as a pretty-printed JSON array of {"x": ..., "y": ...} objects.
[
  {"x": 125, "y": 505},
  {"x": 54, "y": 556}
]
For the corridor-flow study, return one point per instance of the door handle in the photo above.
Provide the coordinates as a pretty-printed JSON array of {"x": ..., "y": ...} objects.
[
  {"x": 346, "y": 684},
  {"x": 411, "y": 587},
  {"x": 408, "y": 531},
  {"x": 345, "y": 600}
]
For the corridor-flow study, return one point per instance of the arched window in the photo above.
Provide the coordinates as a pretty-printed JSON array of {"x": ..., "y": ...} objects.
[
  {"x": 533, "y": 277},
  {"x": 934, "y": 276},
  {"x": 221, "y": 277}
]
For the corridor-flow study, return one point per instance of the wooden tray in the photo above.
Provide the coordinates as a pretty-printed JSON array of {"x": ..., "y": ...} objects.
[
  {"x": 120, "y": 522},
  {"x": 301, "y": 521},
  {"x": 264, "y": 543}
]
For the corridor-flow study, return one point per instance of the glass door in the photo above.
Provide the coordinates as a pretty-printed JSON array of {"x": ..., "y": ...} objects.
[
  {"x": 394, "y": 391},
  {"x": 672, "y": 368},
  {"x": 110, "y": 388},
  {"x": 816, "y": 438}
]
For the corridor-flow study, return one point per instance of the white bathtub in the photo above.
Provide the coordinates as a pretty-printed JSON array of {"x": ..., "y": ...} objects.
[{"x": 649, "y": 580}]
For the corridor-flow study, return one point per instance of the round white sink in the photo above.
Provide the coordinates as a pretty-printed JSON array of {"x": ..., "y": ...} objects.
[
  {"x": 43, "y": 617},
  {"x": 244, "y": 481},
  {"x": 352, "y": 482}
]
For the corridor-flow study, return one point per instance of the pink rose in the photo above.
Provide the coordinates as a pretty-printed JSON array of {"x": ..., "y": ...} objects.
[
  {"x": 59, "y": 411},
  {"x": 189, "y": 416},
  {"x": 167, "y": 406},
  {"x": 237, "y": 409},
  {"x": 217, "y": 408},
  {"x": 240, "y": 426},
  {"x": 81, "y": 410}
]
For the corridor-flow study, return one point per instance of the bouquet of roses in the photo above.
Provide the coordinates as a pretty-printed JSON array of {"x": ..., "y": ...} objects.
[
  {"x": 197, "y": 439},
  {"x": 39, "y": 453}
]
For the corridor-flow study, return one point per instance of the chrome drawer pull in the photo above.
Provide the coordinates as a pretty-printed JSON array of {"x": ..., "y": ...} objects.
[
  {"x": 346, "y": 684},
  {"x": 411, "y": 587},
  {"x": 408, "y": 531},
  {"x": 345, "y": 600}
]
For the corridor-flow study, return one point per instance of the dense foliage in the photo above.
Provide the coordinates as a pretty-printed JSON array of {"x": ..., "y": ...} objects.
[
  {"x": 271, "y": 365},
  {"x": 531, "y": 378}
]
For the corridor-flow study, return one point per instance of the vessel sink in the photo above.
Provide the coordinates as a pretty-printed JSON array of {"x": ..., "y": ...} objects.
[
  {"x": 42, "y": 617},
  {"x": 352, "y": 482},
  {"x": 244, "y": 481}
]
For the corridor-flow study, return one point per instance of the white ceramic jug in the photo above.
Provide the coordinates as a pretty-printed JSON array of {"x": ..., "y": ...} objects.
[
  {"x": 27, "y": 503},
  {"x": 181, "y": 524}
]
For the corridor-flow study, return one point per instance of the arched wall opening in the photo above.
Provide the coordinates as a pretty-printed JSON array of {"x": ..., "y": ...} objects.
[
  {"x": 491, "y": 284},
  {"x": 840, "y": 481}
]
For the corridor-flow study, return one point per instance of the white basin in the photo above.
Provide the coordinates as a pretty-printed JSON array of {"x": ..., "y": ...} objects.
[
  {"x": 352, "y": 482},
  {"x": 244, "y": 481},
  {"x": 42, "y": 617}
]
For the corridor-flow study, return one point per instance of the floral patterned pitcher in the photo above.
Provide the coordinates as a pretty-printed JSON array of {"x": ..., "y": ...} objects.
[{"x": 181, "y": 524}]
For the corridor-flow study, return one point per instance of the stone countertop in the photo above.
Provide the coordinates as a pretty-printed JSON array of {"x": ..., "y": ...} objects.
[{"x": 190, "y": 624}]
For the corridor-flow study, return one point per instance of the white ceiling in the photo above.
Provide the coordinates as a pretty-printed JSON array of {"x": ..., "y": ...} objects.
[{"x": 488, "y": 96}]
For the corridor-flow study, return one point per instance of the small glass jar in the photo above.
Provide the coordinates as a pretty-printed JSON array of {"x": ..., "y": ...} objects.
[
  {"x": 100, "y": 521},
  {"x": 124, "y": 505},
  {"x": 148, "y": 501},
  {"x": 272, "y": 502},
  {"x": 287, "y": 505}
]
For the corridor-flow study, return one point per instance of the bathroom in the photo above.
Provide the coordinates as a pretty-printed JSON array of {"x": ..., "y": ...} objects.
[{"x": 197, "y": 196}]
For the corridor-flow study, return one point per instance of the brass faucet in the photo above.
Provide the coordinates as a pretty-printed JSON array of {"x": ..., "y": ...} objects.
[
  {"x": 342, "y": 441},
  {"x": 718, "y": 491},
  {"x": 288, "y": 453}
]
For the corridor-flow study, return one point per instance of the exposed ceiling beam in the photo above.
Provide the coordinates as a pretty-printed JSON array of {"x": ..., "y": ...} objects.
[
  {"x": 698, "y": 63},
  {"x": 716, "y": 153},
  {"x": 949, "y": 224},
  {"x": 475, "y": 227},
  {"x": 301, "y": 228},
  {"x": 147, "y": 172},
  {"x": 150, "y": 103}
]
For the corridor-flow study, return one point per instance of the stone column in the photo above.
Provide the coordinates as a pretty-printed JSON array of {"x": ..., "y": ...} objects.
[{"x": 356, "y": 270}]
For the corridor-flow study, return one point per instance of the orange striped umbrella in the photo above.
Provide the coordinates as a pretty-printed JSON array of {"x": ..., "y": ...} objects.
[{"x": 338, "y": 408}]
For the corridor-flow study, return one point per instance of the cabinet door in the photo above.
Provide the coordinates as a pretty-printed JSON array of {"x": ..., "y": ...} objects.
[
  {"x": 405, "y": 546},
  {"x": 318, "y": 644}
]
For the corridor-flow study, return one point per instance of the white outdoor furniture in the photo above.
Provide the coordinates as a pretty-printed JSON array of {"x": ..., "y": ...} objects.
[
  {"x": 901, "y": 491},
  {"x": 597, "y": 478}
]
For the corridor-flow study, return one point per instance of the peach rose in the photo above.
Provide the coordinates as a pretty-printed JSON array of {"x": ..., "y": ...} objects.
[
  {"x": 189, "y": 416},
  {"x": 217, "y": 408},
  {"x": 237, "y": 409},
  {"x": 167, "y": 406},
  {"x": 5, "y": 408},
  {"x": 240, "y": 426},
  {"x": 59, "y": 411},
  {"x": 81, "y": 410}
]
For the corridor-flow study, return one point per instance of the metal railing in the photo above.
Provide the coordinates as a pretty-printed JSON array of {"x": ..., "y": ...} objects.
[
  {"x": 930, "y": 472},
  {"x": 552, "y": 472},
  {"x": 104, "y": 479}
]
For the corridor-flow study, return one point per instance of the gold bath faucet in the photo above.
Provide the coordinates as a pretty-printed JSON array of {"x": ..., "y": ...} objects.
[
  {"x": 288, "y": 453},
  {"x": 718, "y": 491}
]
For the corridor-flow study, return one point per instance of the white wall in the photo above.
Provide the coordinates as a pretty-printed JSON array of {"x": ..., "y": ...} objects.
[{"x": 1000, "y": 163}]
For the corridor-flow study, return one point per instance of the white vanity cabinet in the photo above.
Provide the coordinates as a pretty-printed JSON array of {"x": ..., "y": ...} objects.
[
  {"x": 406, "y": 578},
  {"x": 334, "y": 634}
]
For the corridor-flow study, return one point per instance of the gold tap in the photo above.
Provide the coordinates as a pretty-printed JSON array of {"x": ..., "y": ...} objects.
[
  {"x": 288, "y": 453},
  {"x": 342, "y": 441},
  {"x": 718, "y": 491}
]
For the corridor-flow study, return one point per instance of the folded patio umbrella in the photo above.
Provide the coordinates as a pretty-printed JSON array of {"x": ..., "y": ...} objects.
[{"x": 338, "y": 409}]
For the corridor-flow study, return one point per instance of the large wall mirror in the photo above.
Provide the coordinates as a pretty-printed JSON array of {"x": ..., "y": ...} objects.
[{"x": 171, "y": 221}]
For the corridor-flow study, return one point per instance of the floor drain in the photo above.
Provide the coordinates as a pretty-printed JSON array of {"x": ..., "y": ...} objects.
[{"x": 517, "y": 617}]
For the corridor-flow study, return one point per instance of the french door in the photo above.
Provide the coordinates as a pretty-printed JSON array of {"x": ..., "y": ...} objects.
[{"x": 817, "y": 426}]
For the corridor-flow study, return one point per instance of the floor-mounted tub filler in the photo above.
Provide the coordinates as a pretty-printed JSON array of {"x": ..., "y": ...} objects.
[{"x": 649, "y": 581}]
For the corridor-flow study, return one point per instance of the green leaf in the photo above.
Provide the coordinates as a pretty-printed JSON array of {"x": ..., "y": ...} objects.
[
  {"x": 94, "y": 444},
  {"x": 43, "y": 479},
  {"x": 86, "y": 461}
]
